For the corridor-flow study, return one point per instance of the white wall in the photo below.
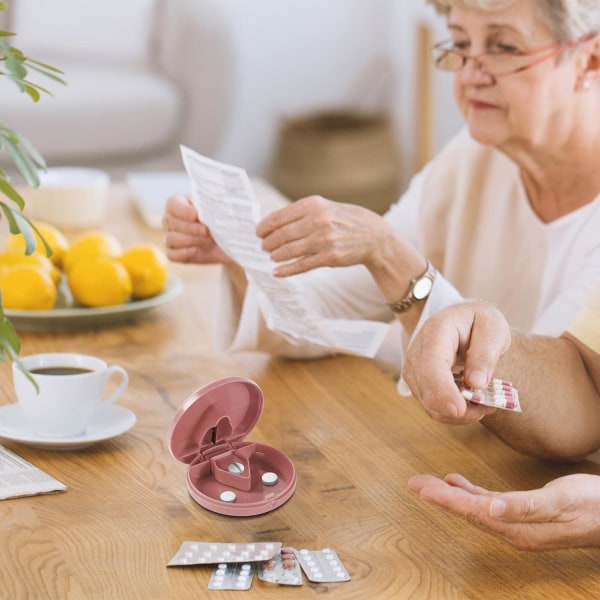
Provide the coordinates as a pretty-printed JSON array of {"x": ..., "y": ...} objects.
[
  {"x": 291, "y": 57},
  {"x": 295, "y": 56},
  {"x": 406, "y": 17}
]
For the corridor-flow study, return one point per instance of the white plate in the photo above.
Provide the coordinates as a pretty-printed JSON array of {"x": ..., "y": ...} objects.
[
  {"x": 112, "y": 421},
  {"x": 58, "y": 319}
]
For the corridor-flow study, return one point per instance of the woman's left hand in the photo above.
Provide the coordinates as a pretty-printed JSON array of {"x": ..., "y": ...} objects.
[{"x": 315, "y": 232}]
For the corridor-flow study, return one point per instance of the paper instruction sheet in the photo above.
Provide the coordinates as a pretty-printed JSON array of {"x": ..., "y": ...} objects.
[
  {"x": 227, "y": 204},
  {"x": 20, "y": 478}
]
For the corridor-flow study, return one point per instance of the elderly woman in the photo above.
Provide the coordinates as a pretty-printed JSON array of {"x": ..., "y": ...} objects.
[{"x": 509, "y": 211}]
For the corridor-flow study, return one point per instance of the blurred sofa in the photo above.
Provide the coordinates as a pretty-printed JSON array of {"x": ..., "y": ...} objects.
[{"x": 142, "y": 77}]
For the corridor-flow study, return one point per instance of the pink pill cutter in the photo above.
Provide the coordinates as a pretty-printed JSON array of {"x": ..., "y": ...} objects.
[{"x": 225, "y": 472}]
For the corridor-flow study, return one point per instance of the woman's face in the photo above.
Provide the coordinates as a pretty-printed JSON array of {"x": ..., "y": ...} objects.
[{"x": 529, "y": 108}]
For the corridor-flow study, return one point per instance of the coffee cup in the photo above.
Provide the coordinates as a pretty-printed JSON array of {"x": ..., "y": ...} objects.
[{"x": 70, "y": 392}]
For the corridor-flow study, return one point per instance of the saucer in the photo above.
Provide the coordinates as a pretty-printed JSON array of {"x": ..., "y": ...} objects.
[{"x": 111, "y": 421}]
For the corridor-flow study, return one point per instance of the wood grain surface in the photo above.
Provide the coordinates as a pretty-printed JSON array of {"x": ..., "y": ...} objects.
[{"x": 354, "y": 442}]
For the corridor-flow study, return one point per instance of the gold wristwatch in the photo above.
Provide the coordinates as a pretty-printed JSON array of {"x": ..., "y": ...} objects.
[{"x": 420, "y": 288}]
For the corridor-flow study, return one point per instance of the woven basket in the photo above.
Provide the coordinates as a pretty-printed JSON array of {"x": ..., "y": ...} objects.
[{"x": 342, "y": 155}]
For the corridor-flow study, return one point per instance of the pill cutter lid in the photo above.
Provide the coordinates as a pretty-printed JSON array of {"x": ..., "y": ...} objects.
[{"x": 225, "y": 410}]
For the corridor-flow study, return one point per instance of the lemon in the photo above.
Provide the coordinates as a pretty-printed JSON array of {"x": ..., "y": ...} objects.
[
  {"x": 91, "y": 244},
  {"x": 148, "y": 268},
  {"x": 99, "y": 282},
  {"x": 26, "y": 287},
  {"x": 15, "y": 244},
  {"x": 8, "y": 261}
]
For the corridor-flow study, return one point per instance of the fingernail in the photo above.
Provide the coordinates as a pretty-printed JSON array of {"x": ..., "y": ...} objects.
[
  {"x": 478, "y": 379},
  {"x": 452, "y": 410},
  {"x": 497, "y": 507}
]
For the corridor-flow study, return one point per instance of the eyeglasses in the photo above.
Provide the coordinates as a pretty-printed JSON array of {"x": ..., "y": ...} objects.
[{"x": 498, "y": 63}]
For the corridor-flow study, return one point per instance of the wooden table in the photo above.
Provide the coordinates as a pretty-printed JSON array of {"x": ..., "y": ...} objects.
[{"x": 353, "y": 440}]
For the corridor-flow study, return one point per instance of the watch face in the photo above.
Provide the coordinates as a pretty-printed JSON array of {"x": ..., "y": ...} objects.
[{"x": 422, "y": 288}]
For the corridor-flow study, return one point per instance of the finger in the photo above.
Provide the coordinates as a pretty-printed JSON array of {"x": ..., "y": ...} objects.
[
  {"x": 533, "y": 506},
  {"x": 490, "y": 338},
  {"x": 460, "y": 481},
  {"x": 180, "y": 206},
  {"x": 473, "y": 414},
  {"x": 186, "y": 254},
  {"x": 428, "y": 368},
  {"x": 465, "y": 502},
  {"x": 282, "y": 217},
  {"x": 417, "y": 482},
  {"x": 288, "y": 242}
]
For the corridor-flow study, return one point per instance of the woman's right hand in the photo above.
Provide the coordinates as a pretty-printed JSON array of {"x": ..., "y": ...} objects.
[{"x": 187, "y": 239}]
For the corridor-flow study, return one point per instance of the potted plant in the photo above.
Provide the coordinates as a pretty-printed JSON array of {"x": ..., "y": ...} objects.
[{"x": 18, "y": 67}]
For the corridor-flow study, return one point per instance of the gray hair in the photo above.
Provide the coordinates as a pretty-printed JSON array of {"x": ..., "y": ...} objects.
[{"x": 567, "y": 19}]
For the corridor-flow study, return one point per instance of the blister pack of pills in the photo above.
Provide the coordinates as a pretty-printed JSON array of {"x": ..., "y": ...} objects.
[
  {"x": 322, "y": 565},
  {"x": 234, "y": 564},
  {"x": 208, "y": 553},
  {"x": 499, "y": 394},
  {"x": 283, "y": 569},
  {"x": 231, "y": 577}
]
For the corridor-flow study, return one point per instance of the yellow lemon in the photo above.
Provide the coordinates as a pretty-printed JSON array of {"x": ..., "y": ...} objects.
[
  {"x": 91, "y": 244},
  {"x": 58, "y": 243},
  {"x": 8, "y": 261},
  {"x": 99, "y": 282},
  {"x": 148, "y": 267},
  {"x": 27, "y": 287}
]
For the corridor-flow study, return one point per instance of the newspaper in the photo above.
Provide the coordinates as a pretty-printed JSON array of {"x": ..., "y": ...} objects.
[
  {"x": 20, "y": 478},
  {"x": 226, "y": 203}
]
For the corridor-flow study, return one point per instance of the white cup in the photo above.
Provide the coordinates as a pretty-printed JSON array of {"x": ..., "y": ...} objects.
[
  {"x": 71, "y": 391},
  {"x": 70, "y": 197}
]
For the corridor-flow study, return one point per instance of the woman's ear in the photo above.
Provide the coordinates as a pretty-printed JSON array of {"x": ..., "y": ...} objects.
[{"x": 589, "y": 63}]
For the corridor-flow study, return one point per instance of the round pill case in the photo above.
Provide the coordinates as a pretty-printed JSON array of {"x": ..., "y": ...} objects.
[{"x": 225, "y": 472}]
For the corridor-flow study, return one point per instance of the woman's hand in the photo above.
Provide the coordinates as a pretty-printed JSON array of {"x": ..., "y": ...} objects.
[
  {"x": 187, "y": 239},
  {"x": 565, "y": 513},
  {"x": 315, "y": 232}
]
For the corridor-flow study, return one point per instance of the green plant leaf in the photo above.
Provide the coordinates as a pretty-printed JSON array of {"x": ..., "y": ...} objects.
[
  {"x": 38, "y": 87},
  {"x": 13, "y": 226},
  {"x": 19, "y": 223},
  {"x": 23, "y": 163},
  {"x": 32, "y": 92},
  {"x": 46, "y": 73},
  {"x": 18, "y": 83},
  {"x": 31, "y": 151},
  {"x": 25, "y": 158},
  {"x": 10, "y": 346},
  {"x": 8, "y": 335},
  {"x": 3, "y": 5},
  {"x": 47, "y": 248},
  {"x": 12, "y": 194},
  {"x": 45, "y": 66},
  {"x": 16, "y": 68}
]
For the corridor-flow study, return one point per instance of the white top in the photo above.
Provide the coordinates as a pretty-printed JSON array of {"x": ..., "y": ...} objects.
[
  {"x": 586, "y": 326},
  {"x": 468, "y": 213}
]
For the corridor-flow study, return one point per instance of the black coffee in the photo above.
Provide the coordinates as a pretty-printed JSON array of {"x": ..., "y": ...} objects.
[{"x": 60, "y": 371}]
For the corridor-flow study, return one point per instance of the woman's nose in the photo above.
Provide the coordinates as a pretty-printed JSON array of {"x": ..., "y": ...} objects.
[{"x": 473, "y": 72}]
